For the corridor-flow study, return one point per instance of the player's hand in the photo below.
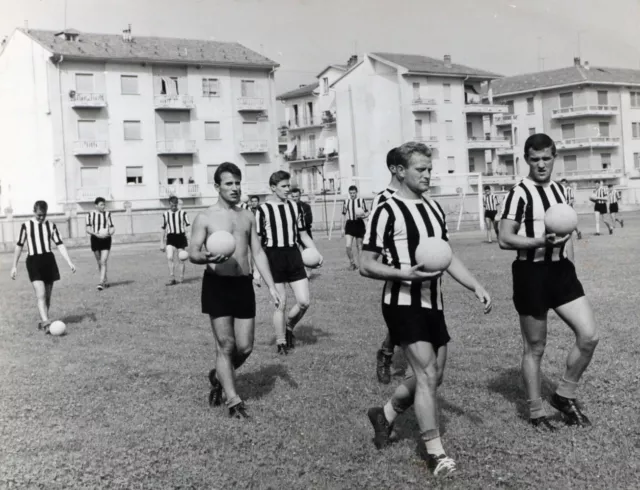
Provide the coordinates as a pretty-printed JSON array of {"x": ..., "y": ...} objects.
[
  {"x": 552, "y": 240},
  {"x": 72, "y": 267},
  {"x": 163, "y": 248},
  {"x": 216, "y": 259},
  {"x": 14, "y": 272},
  {"x": 484, "y": 298},
  {"x": 277, "y": 300},
  {"x": 257, "y": 279},
  {"x": 320, "y": 263},
  {"x": 417, "y": 274}
]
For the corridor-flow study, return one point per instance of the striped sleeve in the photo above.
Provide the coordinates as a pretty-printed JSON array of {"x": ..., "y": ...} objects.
[
  {"x": 88, "y": 220},
  {"x": 376, "y": 230},
  {"x": 376, "y": 201},
  {"x": 260, "y": 225},
  {"x": 110, "y": 220},
  {"x": 55, "y": 234},
  {"x": 300, "y": 217},
  {"x": 164, "y": 221},
  {"x": 186, "y": 220},
  {"x": 344, "y": 207},
  {"x": 22, "y": 239},
  {"x": 443, "y": 216},
  {"x": 364, "y": 205},
  {"x": 513, "y": 205}
]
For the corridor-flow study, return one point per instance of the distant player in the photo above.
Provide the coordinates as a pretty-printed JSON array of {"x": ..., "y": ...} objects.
[
  {"x": 227, "y": 293},
  {"x": 174, "y": 237},
  {"x": 254, "y": 202},
  {"x": 544, "y": 278},
  {"x": 37, "y": 234},
  {"x": 614, "y": 198},
  {"x": 100, "y": 228},
  {"x": 412, "y": 299},
  {"x": 355, "y": 210},
  {"x": 491, "y": 204},
  {"x": 570, "y": 197},
  {"x": 601, "y": 197},
  {"x": 295, "y": 195},
  {"x": 280, "y": 224}
]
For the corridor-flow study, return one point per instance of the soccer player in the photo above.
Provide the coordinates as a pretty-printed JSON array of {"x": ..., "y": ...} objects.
[
  {"x": 280, "y": 225},
  {"x": 412, "y": 300},
  {"x": 227, "y": 292},
  {"x": 100, "y": 228},
  {"x": 355, "y": 210},
  {"x": 254, "y": 202},
  {"x": 307, "y": 213},
  {"x": 491, "y": 203},
  {"x": 570, "y": 197},
  {"x": 600, "y": 197},
  {"x": 37, "y": 234},
  {"x": 614, "y": 198},
  {"x": 544, "y": 277},
  {"x": 174, "y": 237}
]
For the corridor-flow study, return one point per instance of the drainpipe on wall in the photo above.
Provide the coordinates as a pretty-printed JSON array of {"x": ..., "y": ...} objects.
[{"x": 64, "y": 143}]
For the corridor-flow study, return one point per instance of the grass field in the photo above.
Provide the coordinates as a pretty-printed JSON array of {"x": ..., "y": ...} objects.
[{"x": 121, "y": 401}]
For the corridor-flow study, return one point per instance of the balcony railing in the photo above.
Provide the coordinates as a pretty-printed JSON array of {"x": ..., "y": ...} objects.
[
  {"x": 487, "y": 144},
  {"x": 254, "y": 146},
  {"x": 477, "y": 108},
  {"x": 179, "y": 190},
  {"x": 505, "y": 151},
  {"x": 423, "y": 105},
  {"x": 89, "y": 194},
  {"x": 498, "y": 178},
  {"x": 427, "y": 140},
  {"x": 308, "y": 155},
  {"x": 174, "y": 102},
  {"x": 88, "y": 100},
  {"x": 304, "y": 122},
  {"x": 176, "y": 147},
  {"x": 89, "y": 147},
  {"x": 590, "y": 173},
  {"x": 328, "y": 119},
  {"x": 504, "y": 119},
  {"x": 585, "y": 143},
  {"x": 248, "y": 104},
  {"x": 585, "y": 110}
]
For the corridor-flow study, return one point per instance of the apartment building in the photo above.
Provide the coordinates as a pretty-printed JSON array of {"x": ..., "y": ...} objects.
[
  {"x": 387, "y": 99},
  {"x": 133, "y": 119},
  {"x": 592, "y": 113},
  {"x": 312, "y": 140}
]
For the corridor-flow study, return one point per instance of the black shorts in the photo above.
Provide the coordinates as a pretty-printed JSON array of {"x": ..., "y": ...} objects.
[
  {"x": 177, "y": 240},
  {"x": 410, "y": 324},
  {"x": 540, "y": 286},
  {"x": 43, "y": 268},
  {"x": 613, "y": 207},
  {"x": 355, "y": 228},
  {"x": 99, "y": 244},
  {"x": 600, "y": 207},
  {"x": 286, "y": 264},
  {"x": 228, "y": 296},
  {"x": 490, "y": 214}
]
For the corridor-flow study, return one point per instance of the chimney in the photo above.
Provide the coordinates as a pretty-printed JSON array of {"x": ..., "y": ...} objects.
[
  {"x": 447, "y": 60},
  {"x": 352, "y": 61},
  {"x": 576, "y": 61},
  {"x": 126, "y": 35},
  {"x": 586, "y": 65}
]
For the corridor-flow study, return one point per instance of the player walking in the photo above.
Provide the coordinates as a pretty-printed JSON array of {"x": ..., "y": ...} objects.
[
  {"x": 491, "y": 203},
  {"x": 601, "y": 197},
  {"x": 355, "y": 210},
  {"x": 570, "y": 197},
  {"x": 614, "y": 198},
  {"x": 174, "y": 237},
  {"x": 100, "y": 228}
]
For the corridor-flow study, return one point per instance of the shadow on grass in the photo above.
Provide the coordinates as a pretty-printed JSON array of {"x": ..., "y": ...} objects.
[
  {"x": 189, "y": 280},
  {"x": 305, "y": 335},
  {"x": 70, "y": 319},
  {"x": 260, "y": 383},
  {"x": 509, "y": 384},
  {"x": 120, "y": 283}
]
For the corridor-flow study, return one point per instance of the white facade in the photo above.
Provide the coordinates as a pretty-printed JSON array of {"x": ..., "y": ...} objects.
[{"x": 128, "y": 131}]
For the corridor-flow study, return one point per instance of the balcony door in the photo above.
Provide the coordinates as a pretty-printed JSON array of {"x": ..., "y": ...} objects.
[
  {"x": 250, "y": 131},
  {"x": 84, "y": 83},
  {"x": 312, "y": 146},
  {"x": 603, "y": 129},
  {"x": 172, "y": 131},
  {"x": 86, "y": 130},
  {"x": 89, "y": 177},
  {"x": 568, "y": 131},
  {"x": 603, "y": 97},
  {"x": 418, "y": 129},
  {"x": 175, "y": 174},
  {"x": 566, "y": 100},
  {"x": 248, "y": 88},
  {"x": 416, "y": 90}
]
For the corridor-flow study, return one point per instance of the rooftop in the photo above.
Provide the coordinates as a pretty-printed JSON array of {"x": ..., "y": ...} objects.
[
  {"x": 299, "y": 92},
  {"x": 149, "y": 49},
  {"x": 423, "y": 64}
]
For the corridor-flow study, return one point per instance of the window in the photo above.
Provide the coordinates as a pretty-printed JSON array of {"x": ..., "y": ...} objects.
[
  {"x": 449, "y": 128},
  {"x": 84, "y": 83},
  {"x": 635, "y": 130},
  {"x": 86, "y": 130},
  {"x": 212, "y": 130},
  {"x": 605, "y": 160},
  {"x": 515, "y": 136},
  {"x": 250, "y": 130},
  {"x": 532, "y": 131},
  {"x": 451, "y": 164},
  {"x": 469, "y": 130},
  {"x": 132, "y": 130},
  {"x": 635, "y": 99},
  {"x": 312, "y": 146},
  {"x": 447, "y": 92},
  {"x": 530, "y": 107},
  {"x": 169, "y": 86},
  {"x": 129, "y": 84},
  {"x": 211, "y": 171},
  {"x": 210, "y": 87},
  {"x": 570, "y": 163},
  {"x": 325, "y": 85},
  {"x": 416, "y": 90},
  {"x": 175, "y": 174},
  {"x": 603, "y": 129},
  {"x": 472, "y": 164},
  {"x": 134, "y": 175},
  {"x": 566, "y": 100},
  {"x": 248, "y": 88},
  {"x": 636, "y": 161},
  {"x": 418, "y": 129},
  {"x": 89, "y": 177},
  {"x": 568, "y": 131},
  {"x": 603, "y": 97},
  {"x": 510, "y": 106}
]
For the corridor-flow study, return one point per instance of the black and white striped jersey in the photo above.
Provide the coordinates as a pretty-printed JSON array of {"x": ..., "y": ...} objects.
[
  {"x": 601, "y": 194},
  {"x": 382, "y": 197},
  {"x": 351, "y": 206},
  {"x": 175, "y": 222},
  {"x": 38, "y": 236},
  {"x": 526, "y": 203},
  {"x": 99, "y": 222},
  {"x": 394, "y": 231},
  {"x": 569, "y": 194},
  {"x": 491, "y": 202},
  {"x": 279, "y": 223},
  {"x": 614, "y": 196},
  {"x": 244, "y": 205}
]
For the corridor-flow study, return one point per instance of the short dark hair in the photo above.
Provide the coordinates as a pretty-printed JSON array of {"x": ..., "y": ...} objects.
[
  {"x": 99, "y": 200},
  {"x": 295, "y": 190},
  {"x": 279, "y": 176},
  {"x": 353, "y": 188},
  {"x": 257, "y": 198},
  {"x": 173, "y": 199},
  {"x": 609, "y": 185},
  {"x": 391, "y": 158},
  {"x": 487, "y": 188},
  {"x": 40, "y": 205},
  {"x": 539, "y": 142},
  {"x": 405, "y": 151},
  {"x": 564, "y": 180},
  {"x": 229, "y": 167}
]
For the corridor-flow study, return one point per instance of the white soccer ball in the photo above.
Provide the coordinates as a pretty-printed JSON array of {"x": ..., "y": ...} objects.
[{"x": 57, "y": 328}]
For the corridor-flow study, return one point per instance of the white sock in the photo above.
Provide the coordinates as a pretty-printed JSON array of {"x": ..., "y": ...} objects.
[
  {"x": 598, "y": 226},
  {"x": 434, "y": 446},
  {"x": 389, "y": 413}
]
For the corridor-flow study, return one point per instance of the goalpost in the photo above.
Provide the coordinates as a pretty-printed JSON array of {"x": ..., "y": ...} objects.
[{"x": 460, "y": 195}]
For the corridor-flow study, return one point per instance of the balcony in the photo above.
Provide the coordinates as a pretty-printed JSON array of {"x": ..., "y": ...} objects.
[
  {"x": 505, "y": 152},
  {"x": 173, "y": 102},
  {"x": 500, "y": 179},
  {"x": 594, "y": 173},
  {"x": 305, "y": 123},
  {"x": 89, "y": 147},
  {"x": 253, "y": 146},
  {"x": 251, "y": 104},
  {"x": 176, "y": 147},
  {"x": 250, "y": 188},
  {"x": 584, "y": 111},
  {"x": 423, "y": 105},
  {"x": 488, "y": 144},
  {"x": 179, "y": 190},
  {"x": 328, "y": 119},
  {"x": 88, "y": 101},
  {"x": 504, "y": 119},
  {"x": 89, "y": 194},
  {"x": 430, "y": 141},
  {"x": 486, "y": 108},
  {"x": 586, "y": 143}
]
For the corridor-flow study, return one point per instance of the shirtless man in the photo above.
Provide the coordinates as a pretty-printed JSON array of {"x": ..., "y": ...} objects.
[{"x": 227, "y": 290}]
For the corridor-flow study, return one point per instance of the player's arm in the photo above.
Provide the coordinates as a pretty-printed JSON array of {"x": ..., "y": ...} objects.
[
  {"x": 463, "y": 276},
  {"x": 364, "y": 208},
  {"x": 63, "y": 250},
  {"x": 163, "y": 236},
  {"x": 198, "y": 237},
  {"x": 259, "y": 256},
  {"x": 372, "y": 268},
  {"x": 88, "y": 226},
  {"x": 112, "y": 229},
  {"x": 16, "y": 257}
]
